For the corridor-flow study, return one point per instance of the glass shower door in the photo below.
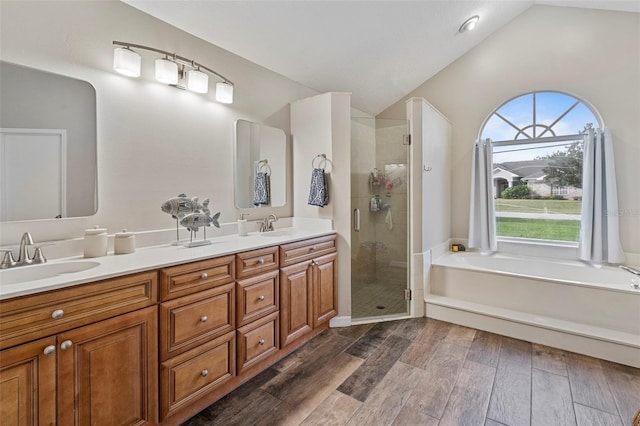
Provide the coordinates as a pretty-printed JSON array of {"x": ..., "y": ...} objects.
[{"x": 380, "y": 205}]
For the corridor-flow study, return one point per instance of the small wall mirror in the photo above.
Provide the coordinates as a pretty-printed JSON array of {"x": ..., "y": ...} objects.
[
  {"x": 260, "y": 165},
  {"x": 47, "y": 145}
]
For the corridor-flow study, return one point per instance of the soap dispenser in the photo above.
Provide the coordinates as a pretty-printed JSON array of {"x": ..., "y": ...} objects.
[{"x": 242, "y": 225}]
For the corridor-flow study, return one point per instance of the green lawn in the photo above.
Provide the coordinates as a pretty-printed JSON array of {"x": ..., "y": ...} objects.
[
  {"x": 538, "y": 206},
  {"x": 546, "y": 229}
]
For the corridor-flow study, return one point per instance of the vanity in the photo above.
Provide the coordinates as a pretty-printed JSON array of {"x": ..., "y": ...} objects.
[{"x": 156, "y": 336}]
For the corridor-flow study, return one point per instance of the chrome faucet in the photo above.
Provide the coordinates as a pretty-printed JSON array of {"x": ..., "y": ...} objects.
[
  {"x": 634, "y": 271},
  {"x": 23, "y": 254},
  {"x": 635, "y": 282},
  {"x": 267, "y": 223}
]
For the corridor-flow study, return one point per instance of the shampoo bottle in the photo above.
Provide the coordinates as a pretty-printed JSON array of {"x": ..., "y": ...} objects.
[{"x": 242, "y": 225}]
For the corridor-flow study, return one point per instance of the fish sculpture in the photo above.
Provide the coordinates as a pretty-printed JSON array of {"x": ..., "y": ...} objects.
[
  {"x": 181, "y": 206},
  {"x": 193, "y": 221}
]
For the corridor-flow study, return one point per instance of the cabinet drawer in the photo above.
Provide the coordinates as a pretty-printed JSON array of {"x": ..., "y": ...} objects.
[
  {"x": 307, "y": 249},
  {"x": 186, "y": 377},
  {"x": 257, "y": 340},
  {"x": 256, "y": 297},
  {"x": 31, "y": 317},
  {"x": 256, "y": 262},
  {"x": 190, "y": 278},
  {"x": 188, "y": 321}
]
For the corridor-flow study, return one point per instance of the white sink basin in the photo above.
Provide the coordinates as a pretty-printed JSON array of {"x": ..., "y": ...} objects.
[
  {"x": 278, "y": 233},
  {"x": 21, "y": 274}
]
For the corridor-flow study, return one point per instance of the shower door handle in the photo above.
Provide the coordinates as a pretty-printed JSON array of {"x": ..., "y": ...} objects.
[{"x": 356, "y": 220}]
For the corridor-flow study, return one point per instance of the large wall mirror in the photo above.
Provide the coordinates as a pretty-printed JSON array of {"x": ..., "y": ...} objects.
[
  {"x": 48, "y": 149},
  {"x": 260, "y": 165}
]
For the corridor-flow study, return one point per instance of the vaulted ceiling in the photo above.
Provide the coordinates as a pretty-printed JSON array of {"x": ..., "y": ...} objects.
[{"x": 377, "y": 50}]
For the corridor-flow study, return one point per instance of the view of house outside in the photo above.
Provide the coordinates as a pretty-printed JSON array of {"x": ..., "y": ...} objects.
[{"x": 537, "y": 165}]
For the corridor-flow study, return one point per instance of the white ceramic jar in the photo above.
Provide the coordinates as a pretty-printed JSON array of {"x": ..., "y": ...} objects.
[
  {"x": 124, "y": 242},
  {"x": 95, "y": 242}
]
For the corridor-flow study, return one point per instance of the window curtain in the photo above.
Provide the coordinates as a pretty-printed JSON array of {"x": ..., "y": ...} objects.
[
  {"x": 482, "y": 224},
  {"x": 599, "y": 231}
]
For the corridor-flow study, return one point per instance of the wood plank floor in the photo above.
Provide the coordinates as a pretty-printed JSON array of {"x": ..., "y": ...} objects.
[{"x": 422, "y": 371}]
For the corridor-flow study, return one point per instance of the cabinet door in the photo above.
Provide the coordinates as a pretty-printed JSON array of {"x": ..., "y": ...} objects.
[
  {"x": 295, "y": 302},
  {"x": 28, "y": 384},
  {"x": 325, "y": 288},
  {"x": 107, "y": 371}
]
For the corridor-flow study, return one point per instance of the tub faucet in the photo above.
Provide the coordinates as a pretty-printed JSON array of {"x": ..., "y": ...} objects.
[
  {"x": 23, "y": 254},
  {"x": 634, "y": 271},
  {"x": 267, "y": 223}
]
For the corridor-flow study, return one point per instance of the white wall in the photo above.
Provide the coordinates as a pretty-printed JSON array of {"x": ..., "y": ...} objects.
[
  {"x": 590, "y": 53},
  {"x": 322, "y": 125},
  {"x": 154, "y": 141}
]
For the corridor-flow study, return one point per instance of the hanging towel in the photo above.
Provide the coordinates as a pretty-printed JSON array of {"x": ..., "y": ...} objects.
[
  {"x": 262, "y": 190},
  {"x": 319, "y": 191},
  {"x": 388, "y": 219}
]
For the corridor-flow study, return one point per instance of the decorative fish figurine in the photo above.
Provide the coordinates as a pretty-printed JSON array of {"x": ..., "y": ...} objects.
[
  {"x": 194, "y": 221},
  {"x": 180, "y": 206}
]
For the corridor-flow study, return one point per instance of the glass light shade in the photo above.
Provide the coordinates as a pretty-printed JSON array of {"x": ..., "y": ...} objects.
[
  {"x": 224, "y": 93},
  {"x": 197, "y": 81},
  {"x": 126, "y": 62},
  {"x": 166, "y": 71}
]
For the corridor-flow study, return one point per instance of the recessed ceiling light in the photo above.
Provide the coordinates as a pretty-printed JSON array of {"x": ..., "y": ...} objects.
[{"x": 469, "y": 24}]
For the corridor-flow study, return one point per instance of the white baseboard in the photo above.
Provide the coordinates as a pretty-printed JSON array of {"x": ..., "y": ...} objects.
[{"x": 343, "y": 321}]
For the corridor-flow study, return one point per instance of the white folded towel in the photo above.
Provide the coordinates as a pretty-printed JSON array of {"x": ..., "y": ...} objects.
[{"x": 388, "y": 220}]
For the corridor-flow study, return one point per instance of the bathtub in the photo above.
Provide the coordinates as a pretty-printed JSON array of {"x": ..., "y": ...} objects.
[{"x": 565, "y": 304}]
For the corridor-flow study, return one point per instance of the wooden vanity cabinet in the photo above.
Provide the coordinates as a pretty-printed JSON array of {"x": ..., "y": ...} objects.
[
  {"x": 308, "y": 287},
  {"x": 89, "y": 372},
  {"x": 28, "y": 383}
]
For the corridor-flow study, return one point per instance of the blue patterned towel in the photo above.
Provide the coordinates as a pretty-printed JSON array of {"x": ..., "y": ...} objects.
[
  {"x": 319, "y": 191},
  {"x": 262, "y": 190}
]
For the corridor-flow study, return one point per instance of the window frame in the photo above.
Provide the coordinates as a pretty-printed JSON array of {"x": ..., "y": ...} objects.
[{"x": 538, "y": 246}]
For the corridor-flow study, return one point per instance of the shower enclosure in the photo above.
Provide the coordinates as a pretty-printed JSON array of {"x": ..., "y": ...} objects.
[{"x": 380, "y": 206}]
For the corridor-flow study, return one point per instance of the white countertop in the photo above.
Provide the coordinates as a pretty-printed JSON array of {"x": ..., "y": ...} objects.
[{"x": 144, "y": 259}]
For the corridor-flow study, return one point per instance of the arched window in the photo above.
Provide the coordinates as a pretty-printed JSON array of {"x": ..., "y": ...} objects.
[{"x": 537, "y": 164}]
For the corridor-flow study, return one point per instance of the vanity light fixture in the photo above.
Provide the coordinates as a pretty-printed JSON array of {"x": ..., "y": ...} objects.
[
  {"x": 469, "y": 24},
  {"x": 172, "y": 69}
]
